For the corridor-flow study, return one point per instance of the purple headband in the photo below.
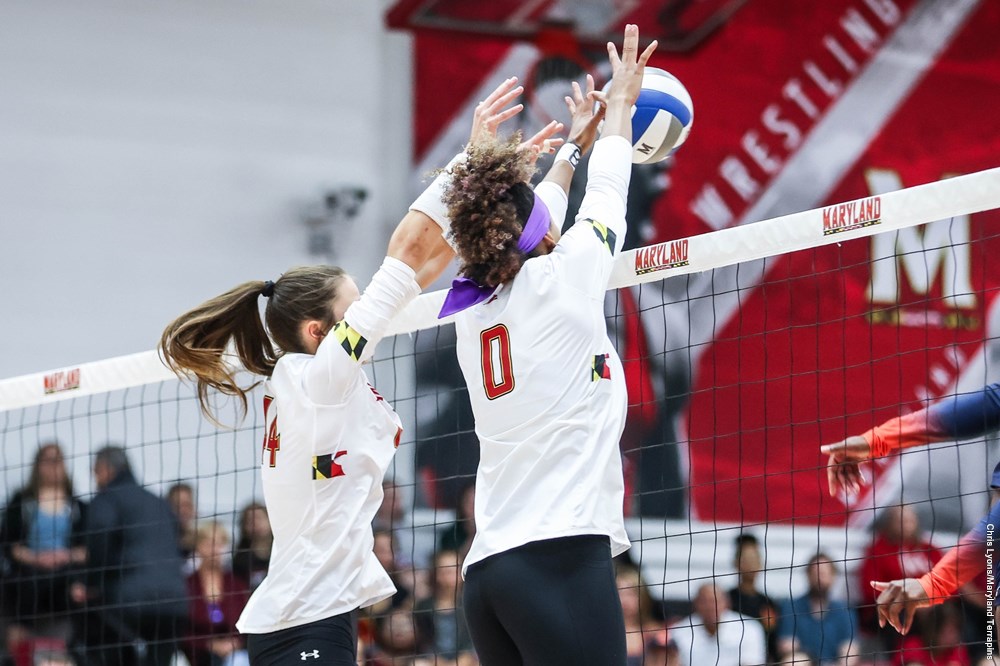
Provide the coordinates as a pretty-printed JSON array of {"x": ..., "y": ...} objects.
[{"x": 465, "y": 293}]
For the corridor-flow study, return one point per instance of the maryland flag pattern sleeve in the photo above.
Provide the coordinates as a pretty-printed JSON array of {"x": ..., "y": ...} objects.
[{"x": 352, "y": 340}]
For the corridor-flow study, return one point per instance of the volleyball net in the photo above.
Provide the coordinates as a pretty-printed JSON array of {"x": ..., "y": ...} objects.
[{"x": 744, "y": 351}]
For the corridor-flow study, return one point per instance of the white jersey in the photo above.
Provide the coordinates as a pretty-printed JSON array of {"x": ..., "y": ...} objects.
[
  {"x": 546, "y": 384},
  {"x": 328, "y": 439}
]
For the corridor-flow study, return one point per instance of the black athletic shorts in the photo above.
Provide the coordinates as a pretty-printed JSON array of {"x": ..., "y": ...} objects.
[
  {"x": 329, "y": 642},
  {"x": 547, "y": 603}
]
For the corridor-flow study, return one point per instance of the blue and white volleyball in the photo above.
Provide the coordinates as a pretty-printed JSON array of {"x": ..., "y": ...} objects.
[{"x": 661, "y": 117}]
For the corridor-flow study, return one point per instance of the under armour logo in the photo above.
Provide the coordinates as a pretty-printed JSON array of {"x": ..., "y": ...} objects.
[{"x": 314, "y": 654}]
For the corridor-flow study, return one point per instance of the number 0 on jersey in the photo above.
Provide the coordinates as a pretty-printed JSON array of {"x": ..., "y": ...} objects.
[{"x": 498, "y": 371}]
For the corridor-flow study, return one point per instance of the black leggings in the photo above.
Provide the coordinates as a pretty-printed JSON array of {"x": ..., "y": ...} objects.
[{"x": 547, "y": 603}]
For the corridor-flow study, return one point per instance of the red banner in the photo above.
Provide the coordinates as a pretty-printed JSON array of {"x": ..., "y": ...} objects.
[{"x": 798, "y": 106}]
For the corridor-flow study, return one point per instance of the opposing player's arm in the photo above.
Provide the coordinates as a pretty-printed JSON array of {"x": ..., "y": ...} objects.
[
  {"x": 899, "y": 599},
  {"x": 956, "y": 417}
]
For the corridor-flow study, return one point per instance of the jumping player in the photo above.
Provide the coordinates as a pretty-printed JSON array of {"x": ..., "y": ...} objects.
[
  {"x": 329, "y": 436},
  {"x": 546, "y": 387},
  {"x": 959, "y": 417}
]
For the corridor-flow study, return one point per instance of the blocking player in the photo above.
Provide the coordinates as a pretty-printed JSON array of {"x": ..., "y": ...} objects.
[
  {"x": 546, "y": 387},
  {"x": 959, "y": 417},
  {"x": 329, "y": 436}
]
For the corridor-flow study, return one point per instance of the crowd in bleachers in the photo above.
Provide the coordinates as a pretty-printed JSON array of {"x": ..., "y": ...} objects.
[{"x": 134, "y": 578}]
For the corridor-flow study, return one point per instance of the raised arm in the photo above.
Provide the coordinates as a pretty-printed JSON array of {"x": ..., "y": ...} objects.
[
  {"x": 486, "y": 119},
  {"x": 956, "y": 417},
  {"x": 585, "y": 114},
  {"x": 611, "y": 163},
  {"x": 418, "y": 243}
]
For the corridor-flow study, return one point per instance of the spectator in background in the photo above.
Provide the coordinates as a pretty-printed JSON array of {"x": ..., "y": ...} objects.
[
  {"x": 441, "y": 626},
  {"x": 181, "y": 499},
  {"x": 134, "y": 579},
  {"x": 814, "y": 624},
  {"x": 939, "y": 641},
  {"x": 253, "y": 548},
  {"x": 898, "y": 551},
  {"x": 395, "y": 641},
  {"x": 217, "y": 599},
  {"x": 392, "y": 520},
  {"x": 42, "y": 536},
  {"x": 403, "y": 577},
  {"x": 645, "y": 634},
  {"x": 391, "y": 513},
  {"x": 746, "y": 599},
  {"x": 717, "y": 636},
  {"x": 458, "y": 536}
]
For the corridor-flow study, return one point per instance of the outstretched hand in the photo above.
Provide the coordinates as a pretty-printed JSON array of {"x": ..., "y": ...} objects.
[
  {"x": 843, "y": 471},
  {"x": 898, "y": 600},
  {"x": 543, "y": 142},
  {"x": 586, "y": 111},
  {"x": 490, "y": 113},
  {"x": 627, "y": 70}
]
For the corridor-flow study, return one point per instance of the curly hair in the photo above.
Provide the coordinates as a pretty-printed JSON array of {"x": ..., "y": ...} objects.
[{"x": 488, "y": 201}]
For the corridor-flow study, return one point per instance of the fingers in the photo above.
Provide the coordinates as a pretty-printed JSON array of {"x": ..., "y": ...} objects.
[
  {"x": 830, "y": 449},
  {"x": 504, "y": 100},
  {"x": 909, "y": 609},
  {"x": 832, "y": 478},
  {"x": 613, "y": 57},
  {"x": 852, "y": 472},
  {"x": 577, "y": 93},
  {"x": 892, "y": 601},
  {"x": 550, "y": 145},
  {"x": 590, "y": 84},
  {"x": 599, "y": 97},
  {"x": 499, "y": 91},
  {"x": 631, "y": 44},
  {"x": 542, "y": 135},
  {"x": 546, "y": 132},
  {"x": 644, "y": 58},
  {"x": 505, "y": 115},
  {"x": 889, "y": 606}
]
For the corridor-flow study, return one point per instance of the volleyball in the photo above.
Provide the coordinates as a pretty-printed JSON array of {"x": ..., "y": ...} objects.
[{"x": 661, "y": 117}]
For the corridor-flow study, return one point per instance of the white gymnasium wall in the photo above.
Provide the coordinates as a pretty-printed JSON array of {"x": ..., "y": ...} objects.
[{"x": 153, "y": 154}]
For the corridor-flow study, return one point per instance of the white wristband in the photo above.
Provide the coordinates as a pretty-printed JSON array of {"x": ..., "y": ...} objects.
[{"x": 569, "y": 152}]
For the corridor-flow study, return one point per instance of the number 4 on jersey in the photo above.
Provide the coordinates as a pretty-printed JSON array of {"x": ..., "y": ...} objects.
[
  {"x": 272, "y": 442},
  {"x": 498, "y": 370}
]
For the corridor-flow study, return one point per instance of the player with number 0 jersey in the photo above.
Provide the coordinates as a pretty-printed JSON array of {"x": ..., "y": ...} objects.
[{"x": 546, "y": 385}]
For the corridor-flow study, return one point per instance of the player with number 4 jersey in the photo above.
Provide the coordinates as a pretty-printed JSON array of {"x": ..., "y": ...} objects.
[
  {"x": 546, "y": 385},
  {"x": 329, "y": 436}
]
